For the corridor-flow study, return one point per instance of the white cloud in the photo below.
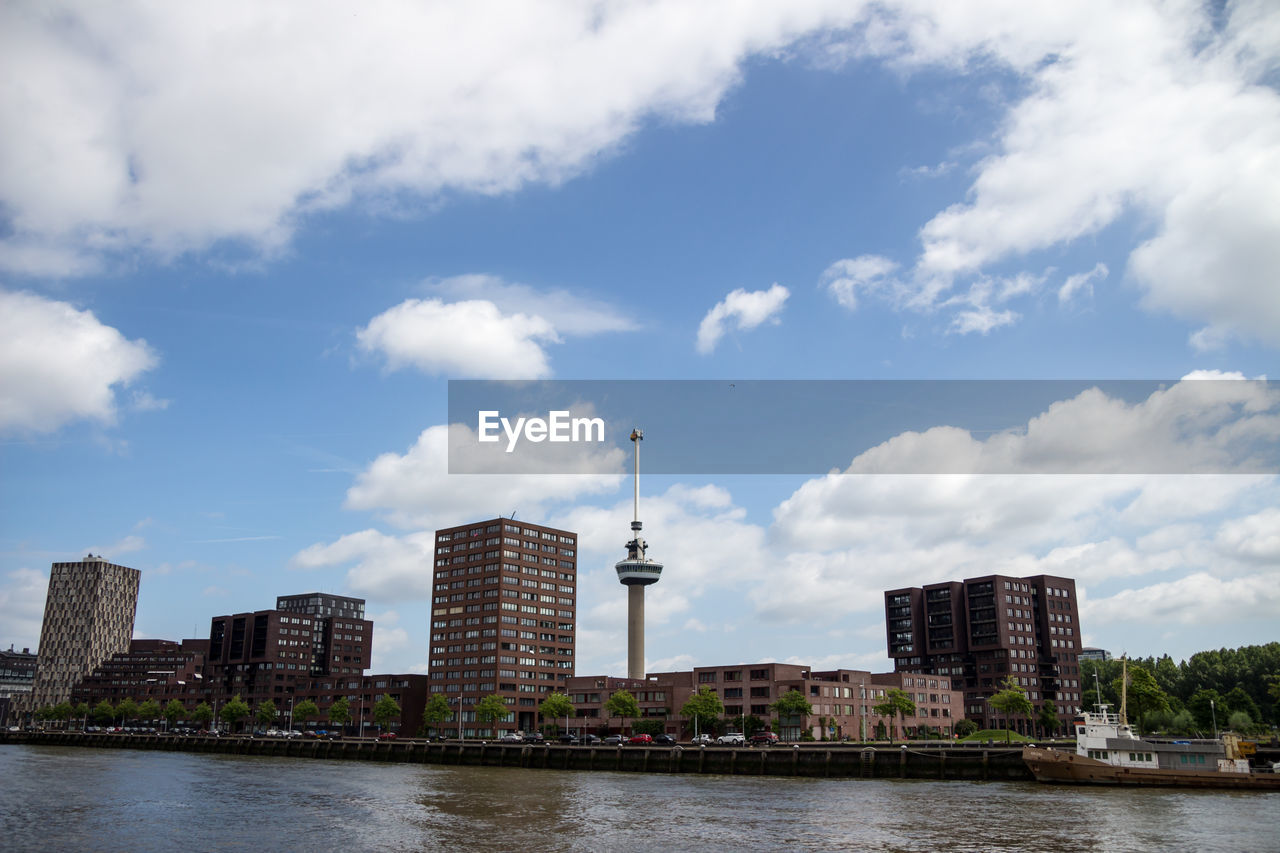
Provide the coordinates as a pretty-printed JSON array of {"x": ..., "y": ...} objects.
[
  {"x": 22, "y": 606},
  {"x": 416, "y": 490},
  {"x": 387, "y": 568},
  {"x": 569, "y": 313},
  {"x": 742, "y": 310},
  {"x": 127, "y": 545},
  {"x": 390, "y": 641},
  {"x": 1082, "y": 283},
  {"x": 59, "y": 364},
  {"x": 844, "y": 279},
  {"x": 1255, "y": 538},
  {"x": 848, "y": 536},
  {"x": 981, "y": 320},
  {"x": 460, "y": 339},
  {"x": 141, "y": 125},
  {"x": 1162, "y": 114},
  {"x": 1199, "y": 599},
  {"x": 492, "y": 328}
]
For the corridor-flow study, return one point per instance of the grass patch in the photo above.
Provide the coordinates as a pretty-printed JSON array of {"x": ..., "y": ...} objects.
[{"x": 997, "y": 735}]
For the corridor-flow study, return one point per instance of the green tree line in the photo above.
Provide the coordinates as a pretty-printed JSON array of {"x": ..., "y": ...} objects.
[{"x": 1223, "y": 688}]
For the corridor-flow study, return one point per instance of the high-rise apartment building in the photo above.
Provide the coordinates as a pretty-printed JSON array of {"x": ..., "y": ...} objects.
[
  {"x": 88, "y": 617},
  {"x": 262, "y": 655},
  {"x": 981, "y": 631},
  {"x": 503, "y": 617}
]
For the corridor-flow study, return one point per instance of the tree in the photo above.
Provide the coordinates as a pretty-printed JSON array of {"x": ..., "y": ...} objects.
[
  {"x": 127, "y": 710},
  {"x": 1240, "y": 721},
  {"x": 1143, "y": 692},
  {"x": 965, "y": 727},
  {"x": 340, "y": 712},
  {"x": 62, "y": 712},
  {"x": 103, "y": 713},
  {"x": 234, "y": 711},
  {"x": 703, "y": 709},
  {"x": 555, "y": 707},
  {"x": 149, "y": 711},
  {"x": 202, "y": 716},
  {"x": 897, "y": 702},
  {"x": 792, "y": 705},
  {"x": 648, "y": 727},
  {"x": 385, "y": 710},
  {"x": 1238, "y": 699},
  {"x": 1206, "y": 706},
  {"x": 622, "y": 704},
  {"x": 173, "y": 711},
  {"x": 305, "y": 710},
  {"x": 751, "y": 724},
  {"x": 491, "y": 709},
  {"x": 1010, "y": 700},
  {"x": 436, "y": 711},
  {"x": 1048, "y": 717},
  {"x": 267, "y": 713},
  {"x": 81, "y": 712}
]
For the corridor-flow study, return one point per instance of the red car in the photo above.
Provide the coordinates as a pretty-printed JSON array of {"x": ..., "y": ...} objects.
[
  {"x": 387, "y": 736},
  {"x": 764, "y": 739},
  {"x": 641, "y": 740}
]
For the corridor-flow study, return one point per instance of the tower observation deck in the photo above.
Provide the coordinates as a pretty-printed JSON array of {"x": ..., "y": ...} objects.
[{"x": 636, "y": 572}]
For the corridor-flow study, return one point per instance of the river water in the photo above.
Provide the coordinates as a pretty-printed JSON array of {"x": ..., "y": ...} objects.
[{"x": 77, "y": 799}]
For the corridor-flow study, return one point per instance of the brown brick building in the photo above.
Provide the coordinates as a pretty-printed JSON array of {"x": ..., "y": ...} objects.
[
  {"x": 843, "y": 700},
  {"x": 503, "y": 617},
  {"x": 980, "y": 631}
]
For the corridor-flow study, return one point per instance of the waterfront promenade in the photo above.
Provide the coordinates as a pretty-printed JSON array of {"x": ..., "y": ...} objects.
[{"x": 930, "y": 760}]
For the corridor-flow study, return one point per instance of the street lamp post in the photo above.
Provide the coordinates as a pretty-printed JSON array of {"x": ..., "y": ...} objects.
[
  {"x": 1214, "y": 713},
  {"x": 291, "y": 713}
]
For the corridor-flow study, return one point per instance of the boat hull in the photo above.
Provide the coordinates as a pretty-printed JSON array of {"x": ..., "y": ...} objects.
[{"x": 1067, "y": 768}]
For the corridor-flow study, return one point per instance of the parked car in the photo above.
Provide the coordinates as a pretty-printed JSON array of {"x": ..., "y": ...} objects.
[
  {"x": 732, "y": 739},
  {"x": 568, "y": 740},
  {"x": 764, "y": 739},
  {"x": 511, "y": 737},
  {"x": 387, "y": 736},
  {"x": 614, "y": 740},
  {"x": 703, "y": 740},
  {"x": 641, "y": 740},
  {"x": 534, "y": 737},
  {"x": 664, "y": 740}
]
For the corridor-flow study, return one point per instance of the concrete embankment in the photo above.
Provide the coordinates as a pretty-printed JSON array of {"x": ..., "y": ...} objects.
[{"x": 918, "y": 761}]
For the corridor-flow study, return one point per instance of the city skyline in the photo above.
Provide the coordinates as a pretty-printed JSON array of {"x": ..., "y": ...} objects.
[{"x": 239, "y": 266}]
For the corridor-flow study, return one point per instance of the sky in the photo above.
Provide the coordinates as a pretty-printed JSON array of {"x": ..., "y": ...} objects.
[{"x": 245, "y": 247}]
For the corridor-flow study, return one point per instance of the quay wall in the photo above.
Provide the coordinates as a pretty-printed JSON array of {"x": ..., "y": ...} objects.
[{"x": 994, "y": 762}]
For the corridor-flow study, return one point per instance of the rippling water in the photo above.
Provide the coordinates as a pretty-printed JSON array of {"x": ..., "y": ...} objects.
[{"x": 71, "y": 798}]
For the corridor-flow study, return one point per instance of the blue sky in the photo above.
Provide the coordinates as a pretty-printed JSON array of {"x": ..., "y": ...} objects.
[{"x": 240, "y": 263}]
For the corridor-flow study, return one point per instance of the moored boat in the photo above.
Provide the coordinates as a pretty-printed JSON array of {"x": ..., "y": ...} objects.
[{"x": 1108, "y": 753}]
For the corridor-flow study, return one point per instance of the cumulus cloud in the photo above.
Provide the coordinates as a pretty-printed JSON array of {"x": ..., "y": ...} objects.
[
  {"x": 415, "y": 489},
  {"x": 1164, "y": 113},
  {"x": 471, "y": 339},
  {"x": 22, "y": 606},
  {"x": 850, "y": 535},
  {"x": 140, "y": 125},
  {"x": 742, "y": 310},
  {"x": 1082, "y": 283},
  {"x": 569, "y": 313},
  {"x": 1200, "y": 598},
  {"x": 386, "y": 567},
  {"x": 59, "y": 364},
  {"x": 846, "y": 279},
  {"x": 481, "y": 326}
]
